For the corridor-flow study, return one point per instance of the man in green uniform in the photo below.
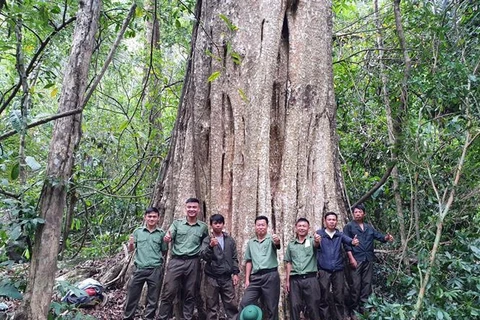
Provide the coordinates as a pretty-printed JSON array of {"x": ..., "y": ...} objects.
[
  {"x": 261, "y": 269},
  {"x": 150, "y": 246},
  {"x": 183, "y": 270},
  {"x": 301, "y": 272}
]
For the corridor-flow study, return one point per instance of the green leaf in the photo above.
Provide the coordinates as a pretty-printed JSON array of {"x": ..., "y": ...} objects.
[
  {"x": 476, "y": 251},
  {"x": 214, "y": 76},
  {"x": 237, "y": 59},
  {"x": 16, "y": 232},
  {"x": 123, "y": 126},
  {"x": 8, "y": 290},
  {"x": 16, "y": 121},
  {"x": 229, "y": 23},
  {"x": 439, "y": 315},
  {"x": 32, "y": 163},
  {"x": 243, "y": 96},
  {"x": 15, "y": 171},
  {"x": 55, "y": 10}
]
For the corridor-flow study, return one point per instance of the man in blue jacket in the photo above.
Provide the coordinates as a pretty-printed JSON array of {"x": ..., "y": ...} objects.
[{"x": 330, "y": 267}]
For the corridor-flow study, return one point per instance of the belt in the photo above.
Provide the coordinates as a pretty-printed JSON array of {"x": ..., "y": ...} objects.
[
  {"x": 265, "y": 271},
  {"x": 184, "y": 257},
  {"x": 303, "y": 276}
]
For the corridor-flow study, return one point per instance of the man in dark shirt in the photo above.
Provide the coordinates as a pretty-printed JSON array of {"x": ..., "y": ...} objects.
[
  {"x": 219, "y": 251},
  {"x": 361, "y": 257},
  {"x": 330, "y": 267}
]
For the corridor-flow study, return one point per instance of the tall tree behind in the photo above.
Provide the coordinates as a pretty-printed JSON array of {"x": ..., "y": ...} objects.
[
  {"x": 255, "y": 132},
  {"x": 66, "y": 135}
]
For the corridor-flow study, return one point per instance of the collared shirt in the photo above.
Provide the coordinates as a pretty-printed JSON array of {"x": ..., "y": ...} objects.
[
  {"x": 186, "y": 238},
  {"x": 262, "y": 254},
  {"x": 330, "y": 253},
  {"x": 366, "y": 237},
  {"x": 302, "y": 256},
  {"x": 149, "y": 247}
]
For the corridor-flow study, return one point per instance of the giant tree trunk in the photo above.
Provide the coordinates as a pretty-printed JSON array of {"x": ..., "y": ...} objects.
[
  {"x": 66, "y": 135},
  {"x": 261, "y": 138}
]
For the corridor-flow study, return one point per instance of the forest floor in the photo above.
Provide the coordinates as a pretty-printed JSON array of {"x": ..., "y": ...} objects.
[
  {"x": 111, "y": 310},
  {"x": 73, "y": 272}
]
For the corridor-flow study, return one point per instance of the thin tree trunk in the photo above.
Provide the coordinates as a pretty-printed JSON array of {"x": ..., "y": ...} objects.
[
  {"x": 66, "y": 135},
  {"x": 25, "y": 100}
]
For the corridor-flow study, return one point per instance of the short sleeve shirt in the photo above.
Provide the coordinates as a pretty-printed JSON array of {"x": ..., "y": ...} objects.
[
  {"x": 302, "y": 256},
  {"x": 186, "y": 238},
  {"x": 262, "y": 254},
  {"x": 150, "y": 247}
]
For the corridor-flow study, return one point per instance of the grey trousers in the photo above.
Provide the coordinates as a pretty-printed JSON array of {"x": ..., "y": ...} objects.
[
  {"x": 267, "y": 287},
  {"x": 180, "y": 274},
  {"x": 153, "y": 279},
  {"x": 332, "y": 306},
  {"x": 304, "y": 295},
  {"x": 220, "y": 287},
  {"x": 361, "y": 287}
]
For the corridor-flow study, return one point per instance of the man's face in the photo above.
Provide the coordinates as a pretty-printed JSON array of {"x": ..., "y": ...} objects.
[
  {"x": 192, "y": 209},
  {"x": 261, "y": 227},
  {"x": 302, "y": 228},
  {"x": 358, "y": 214},
  {"x": 217, "y": 226},
  {"x": 151, "y": 219},
  {"x": 331, "y": 222}
]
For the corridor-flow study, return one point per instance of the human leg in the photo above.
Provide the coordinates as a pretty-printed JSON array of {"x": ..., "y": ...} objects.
[
  {"x": 153, "y": 282},
  {"x": 356, "y": 286},
  {"x": 173, "y": 277},
  {"x": 296, "y": 301},
  {"x": 252, "y": 292},
  {"x": 133, "y": 293},
  {"x": 189, "y": 285},
  {"x": 271, "y": 294},
  {"x": 325, "y": 295},
  {"x": 211, "y": 295},
  {"x": 366, "y": 282},
  {"x": 338, "y": 282},
  {"x": 312, "y": 297},
  {"x": 227, "y": 293}
]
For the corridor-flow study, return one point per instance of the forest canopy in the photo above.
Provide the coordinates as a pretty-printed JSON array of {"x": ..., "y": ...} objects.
[{"x": 405, "y": 77}]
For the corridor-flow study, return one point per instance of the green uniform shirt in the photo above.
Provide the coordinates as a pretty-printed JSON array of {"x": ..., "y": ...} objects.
[
  {"x": 263, "y": 255},
  {"x": 302, "y": 256},
  {"x": 187, "y": 239},
  {"x": 150, "y": 246}
]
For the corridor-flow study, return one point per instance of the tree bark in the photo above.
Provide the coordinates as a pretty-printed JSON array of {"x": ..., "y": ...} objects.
[
  {"x": 261, "y": 138},
  {"x": 66, "y": 135}
]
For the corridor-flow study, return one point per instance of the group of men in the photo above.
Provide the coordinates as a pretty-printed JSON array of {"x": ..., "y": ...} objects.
[{"x": 314, "y": 267}]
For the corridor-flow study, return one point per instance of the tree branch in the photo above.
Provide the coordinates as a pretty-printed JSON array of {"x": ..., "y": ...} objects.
[
  {"x": 33, "y": 62},
  {"x": 43, "y": 121},
  {"x": 99, "y": 77},
  {"x": 377, "y": 186}
]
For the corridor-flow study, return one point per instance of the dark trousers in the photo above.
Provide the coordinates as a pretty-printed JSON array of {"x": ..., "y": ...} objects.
[
  {"x": 335, "y": 280},
  {"x": 153, "y": 279},
  {"x": 304, "y": 295},
  {"x": 361, "y": 285},
  {"x": 220, "y": 287},
  {"x": 266, "y": 286},
  {"x": 180, "y": 274}
]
